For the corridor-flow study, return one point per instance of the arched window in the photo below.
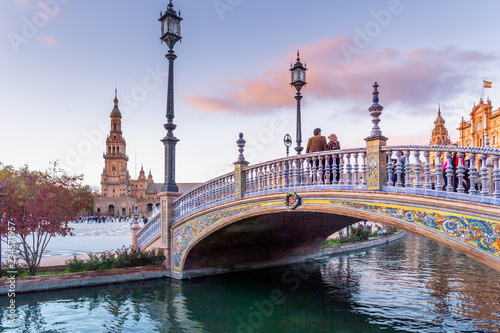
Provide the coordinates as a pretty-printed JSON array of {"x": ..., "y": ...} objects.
[
  {"x": 479, "y": 126},
  {"x": 114, "y": 126}
]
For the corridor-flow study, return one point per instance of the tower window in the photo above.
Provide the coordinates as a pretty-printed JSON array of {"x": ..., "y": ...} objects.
[{"x": 114, "y": 127}]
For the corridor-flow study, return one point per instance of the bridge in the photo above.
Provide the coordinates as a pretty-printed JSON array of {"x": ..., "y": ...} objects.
[{"x": 281, "y": 211}]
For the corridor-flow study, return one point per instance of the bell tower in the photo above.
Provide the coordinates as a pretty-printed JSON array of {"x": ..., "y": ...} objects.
[
  {"x": 440, "y": 135},
  {"x": 115, "y": 179}
]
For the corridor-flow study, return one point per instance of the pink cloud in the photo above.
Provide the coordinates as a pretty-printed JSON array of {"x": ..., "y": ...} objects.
[
  {"x": 47, "y": 40},
  {"x": 23, "y": 3},
  {"x": 413, "y": 79}
]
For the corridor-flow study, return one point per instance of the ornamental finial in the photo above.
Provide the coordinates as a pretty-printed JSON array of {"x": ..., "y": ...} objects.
[
  {"x": 241, "y": 145},
  {"x": 375, "y": 112}
]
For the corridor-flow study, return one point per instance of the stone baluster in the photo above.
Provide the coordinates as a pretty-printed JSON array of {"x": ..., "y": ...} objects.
[
  {"x": 449, "y": 172},
  {"x": 280, "y": 175},
  {"x": 363, "y": 168},
  {"x": 302, "y": 171},
  {"x": 286, "y": 174},
  {"x": 472, "y": 174},
  {"x": 217, "y": 190},
  {"x": 427, "y": 171},
  {"x": 291, "y": 172},
  {"x": 484, "y": 175},
  {"x": 496, "y": 176},
  {"x": 341, "y": 169},
  {"x": 390, "y": 170},
  {"x": 348, "y": 169},
  {"x": 399, "y": 169},
  {"x": 297, "y": 172},
  {"x": 460, "y": 173},
  {"x": 190, "y": 202},
  {"x": 314, "y": 171},
  {"x": 307, "y": 168},
  {"x": 266, "y": 175},
  {"x": 275, "y": 175},
  {"x": 328, "y": 169},
  {"x": 417, "y": 170},
  {"x": 438, "y": 172},
  {"x": 212, "y": 193},
  {"x": 407, "y": 169},
  {"x": 356, "y": 169},
  {"x": 249, "y": 180},
  {"x": 321, "y": 170}
]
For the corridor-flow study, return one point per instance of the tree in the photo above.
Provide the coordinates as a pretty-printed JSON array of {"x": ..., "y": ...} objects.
[{"x": 39, "y": 205}]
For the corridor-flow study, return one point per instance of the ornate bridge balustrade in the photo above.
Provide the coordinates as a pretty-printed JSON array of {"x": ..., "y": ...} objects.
[
  {"x": 150, "y": 231},
  {"x": 211, "y": 193},
  {"x": 476, "y": 178},
  {"x": 308, "y": 171},
  {"x": 318, "y": 171}
]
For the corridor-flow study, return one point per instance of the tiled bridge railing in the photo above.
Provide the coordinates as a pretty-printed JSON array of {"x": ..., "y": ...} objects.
[
  {"x": 211, "y": 193},
  {"x": 410, "y": 171},
  {"x": 150, "y": 230}
]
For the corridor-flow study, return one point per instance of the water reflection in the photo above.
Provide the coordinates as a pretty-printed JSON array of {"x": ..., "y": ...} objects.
[{"x": 414, "y": 285}]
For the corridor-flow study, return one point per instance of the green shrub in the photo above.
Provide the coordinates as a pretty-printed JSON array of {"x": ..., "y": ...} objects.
[
  {"x": 120, "y": 258},
  {"x": 13, "y": 266}
]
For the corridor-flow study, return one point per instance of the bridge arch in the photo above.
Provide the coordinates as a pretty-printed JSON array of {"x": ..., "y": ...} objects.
[{"x": 238, "y": 235}]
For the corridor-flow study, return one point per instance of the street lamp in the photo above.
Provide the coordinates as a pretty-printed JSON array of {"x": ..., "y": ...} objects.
[
  {"x": 287, "y": 140},
  {"x": 170, "y": 34},
  {"x": 298, "y": 81}
]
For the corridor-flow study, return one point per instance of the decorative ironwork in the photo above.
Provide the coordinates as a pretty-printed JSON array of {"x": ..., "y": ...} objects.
[
  {"x": 287, "y": 140},
  {"x": 298, "y": 81},
  {"x": 170, "y": 34}
]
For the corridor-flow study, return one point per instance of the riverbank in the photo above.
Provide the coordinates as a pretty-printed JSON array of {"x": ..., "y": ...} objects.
[{"x": 83, "y": 279}]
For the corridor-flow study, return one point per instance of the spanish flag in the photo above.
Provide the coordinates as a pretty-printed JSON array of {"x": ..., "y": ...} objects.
[{"x": 487, "y": 84}]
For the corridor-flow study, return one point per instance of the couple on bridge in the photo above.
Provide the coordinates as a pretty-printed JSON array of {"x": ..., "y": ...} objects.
[{"x": 318, "y": 143}]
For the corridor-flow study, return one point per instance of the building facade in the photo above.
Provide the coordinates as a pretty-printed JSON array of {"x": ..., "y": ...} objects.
[
  {"x": 120, "y": 194},
  {"x": 484, "y": 123}
]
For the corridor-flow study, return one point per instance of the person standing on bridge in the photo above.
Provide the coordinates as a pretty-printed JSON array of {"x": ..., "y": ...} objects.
[
  {"x": 334, "y": 144},
  {"x": 317, "y": 142}
]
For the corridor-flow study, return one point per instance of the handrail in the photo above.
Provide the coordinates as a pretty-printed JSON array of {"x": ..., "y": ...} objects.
[
  {"x": 215, "y": 191},
  {"x": 150, "y": 230}
]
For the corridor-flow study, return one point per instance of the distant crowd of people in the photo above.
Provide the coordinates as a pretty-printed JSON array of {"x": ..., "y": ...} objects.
[{"x": 109, "y": 219}]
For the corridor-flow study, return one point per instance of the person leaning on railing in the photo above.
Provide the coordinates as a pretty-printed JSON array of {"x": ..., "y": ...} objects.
[{"x": 334, "y": 144}]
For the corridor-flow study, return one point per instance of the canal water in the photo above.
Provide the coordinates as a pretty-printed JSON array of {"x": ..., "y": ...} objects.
[{"x": 411, "y": 285}]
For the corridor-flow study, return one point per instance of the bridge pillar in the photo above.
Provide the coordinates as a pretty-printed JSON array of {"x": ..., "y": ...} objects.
[
  {"x": 376, "y": 163},
  {"x": 167, "y": 219},
  {"x": 376, "y": 160},
  {"x": 240, "y": 175},
  {"x": 134, "y": 230}
]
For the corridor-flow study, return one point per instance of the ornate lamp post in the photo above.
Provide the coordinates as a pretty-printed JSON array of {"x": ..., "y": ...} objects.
[
  {"x": 298, "y": 81},
  {"x": 287, "y": 141},
  {"x": 170, "y": 34}
]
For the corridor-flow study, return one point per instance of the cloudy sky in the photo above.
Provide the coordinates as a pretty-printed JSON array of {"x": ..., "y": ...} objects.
[{"x": 61, "y": 60}]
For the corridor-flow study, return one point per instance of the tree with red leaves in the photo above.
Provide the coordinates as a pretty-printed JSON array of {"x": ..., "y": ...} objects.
[{"x": 37, "y": 206}]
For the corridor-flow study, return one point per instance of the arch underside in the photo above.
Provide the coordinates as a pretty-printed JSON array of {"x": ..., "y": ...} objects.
[{"x": 270, "y": 238}]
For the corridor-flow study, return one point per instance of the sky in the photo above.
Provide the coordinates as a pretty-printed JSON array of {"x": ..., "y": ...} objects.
[{"x": 62, "y": 59}]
